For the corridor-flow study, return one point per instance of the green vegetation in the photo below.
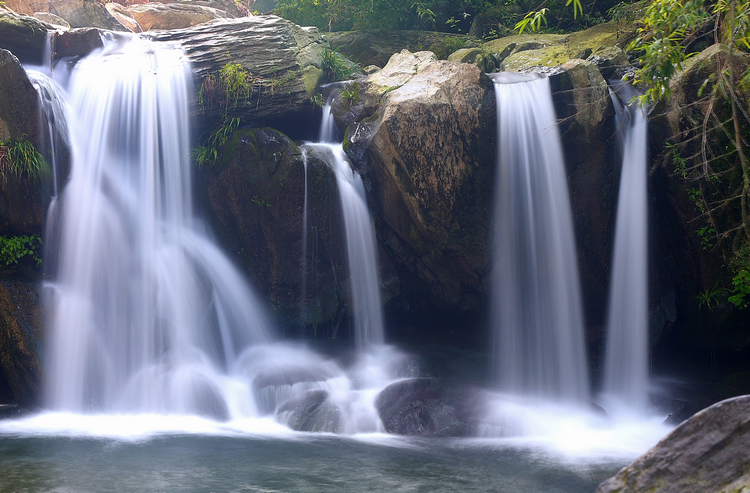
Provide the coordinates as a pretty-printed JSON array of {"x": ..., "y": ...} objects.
[
  {"x": 20, "y": 158},
  {"x": 351, "y": 93},
  {"x": 15, "y": 248},
  {"x": 337, "y": 67}
]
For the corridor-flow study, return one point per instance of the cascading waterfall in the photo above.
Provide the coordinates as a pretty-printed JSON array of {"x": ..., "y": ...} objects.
[
  {"x": 360, "y": 240},
  {"x": 626, "y": 361},
  {"x": 147, "y": 314},
  {"x": 538, "y": 324}
]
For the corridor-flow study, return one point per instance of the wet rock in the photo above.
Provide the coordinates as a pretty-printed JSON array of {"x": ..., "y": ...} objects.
[
  {"x": 150, "y": 16},
  {"x": 421, "y": 407},
  {"x": 707, "y": 453},
  {"x": 284, "y": 62},
  {"x": 75, "y": 43},
  {"x": 256, "y": 194},
  {"x": 310, "y": 411},
  {"x": 21, "y": 329}
]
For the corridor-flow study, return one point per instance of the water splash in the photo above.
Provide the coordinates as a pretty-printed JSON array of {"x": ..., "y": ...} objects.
[
  {"x": 626, "y": 361},
  {"x": 537, "y": 318}
]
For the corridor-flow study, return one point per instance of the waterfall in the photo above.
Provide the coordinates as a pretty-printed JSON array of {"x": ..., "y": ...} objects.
[
  {"x": 361, "y": 248},
  {"x": 537, "y": 317},
  {"x": 626, "y": 361},
  {"x": 147, "y": 314}
]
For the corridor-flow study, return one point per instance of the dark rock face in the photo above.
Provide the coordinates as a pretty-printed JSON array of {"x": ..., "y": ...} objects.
[
  {"x": 593, "y": 160},
  {"x": 707, "y": 453},
  {"x": 256, "y": 197},
  {"x": 20, "y": 341},
  {"x": 283, "y": 59},
  {"x": 428, "y": 152},
  {"x": 421, "y": 407},
  {"x": 22, "y": 201}
]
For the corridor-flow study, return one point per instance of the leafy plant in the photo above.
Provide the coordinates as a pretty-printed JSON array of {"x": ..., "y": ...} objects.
[
  {"x": 260, "y": 201},
  {"x": 337, "y": 67},
  {"x": 15, "y": 248},
  {"x": 710, "y": 297},
  {"x": 208, "y": 153},
  {"x": 350, "y": 94},
  {"x": 20, "y": 157}
]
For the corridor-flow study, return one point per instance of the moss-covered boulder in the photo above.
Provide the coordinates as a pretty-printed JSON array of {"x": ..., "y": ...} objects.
[
  {"x": 256, "y": 197},
  {"x": 523, "y": 51},
  {"x": 375, "y": 47},
  {"x": 20, "y": 343},
  {"x": 22, "y": 35}
]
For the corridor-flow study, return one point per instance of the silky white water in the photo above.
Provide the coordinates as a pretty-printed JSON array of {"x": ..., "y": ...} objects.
[
  {"x": 538, "y": 347},
  {"x": 361, "y": 244},
  {"x": 626, "y": 360}
]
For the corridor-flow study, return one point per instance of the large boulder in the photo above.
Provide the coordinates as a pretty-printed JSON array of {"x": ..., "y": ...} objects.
[
  {"x": 424, "y": 137},
  {"x": 283, "y": 60},
  {"x": 20, "y": 342},
  {"x": 707, "y": 453},
  {"x": 150, "y": 16},
  {"x": 78, "y": 13},
  {"x": 255, "y": 194}
]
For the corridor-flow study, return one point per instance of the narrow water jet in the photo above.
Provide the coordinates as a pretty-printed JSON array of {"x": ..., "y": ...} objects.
[
  {"x": 626, "y": 357},
  {"x": 148, "y": 315},
  {"x": 538, "y": 341}
]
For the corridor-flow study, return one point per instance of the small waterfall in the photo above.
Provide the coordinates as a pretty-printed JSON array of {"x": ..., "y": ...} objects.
[
  {"x": 148, "y": 315},
  {"x": 626, "y": 361},
  {"x": 537, "y": 317},
  {"x": 361, "y": 248}
]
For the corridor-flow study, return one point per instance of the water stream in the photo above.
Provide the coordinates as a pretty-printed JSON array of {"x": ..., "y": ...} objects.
[
  {"x": 537, "y": 317},
  {"x": 626, "y": 361}
]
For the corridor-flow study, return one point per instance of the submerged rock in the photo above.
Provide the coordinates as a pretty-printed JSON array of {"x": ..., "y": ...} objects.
[
  {"x": 421, "y": 407},
  {"x": 707, "y": 453},
  {"x": 310, "y": 411}
]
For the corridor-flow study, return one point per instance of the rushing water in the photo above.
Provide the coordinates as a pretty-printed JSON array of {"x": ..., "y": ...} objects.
[
  {"x": 626, "y": 362},
  {"x": 537, "y": 316},
  {"x": 361, "y": 245}
]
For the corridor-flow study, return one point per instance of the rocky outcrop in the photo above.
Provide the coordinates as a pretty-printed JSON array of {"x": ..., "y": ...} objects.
[
  {"x": 256, "y": 194},
  {"x": 424, "y": 137},
  {"x": 523, "y": 51},
  {"x": 283, "y": 62},
  {"x": 20, "y": 342},
  {"x": 375, "y": 47},
  {"x": 23, "y": 35},
  {"x": 78, "y": 13},
  {"x": 150, "y": 16},
  {"x": 124, "y": 17},
  {"x": 707, "y": 453}
]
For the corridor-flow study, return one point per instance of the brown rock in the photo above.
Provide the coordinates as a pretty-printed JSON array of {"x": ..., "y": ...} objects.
[
  {"x": 78, "y": 13},
  {"x": 151, "y": 16},
  {"x": 123, "y": 17}
]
